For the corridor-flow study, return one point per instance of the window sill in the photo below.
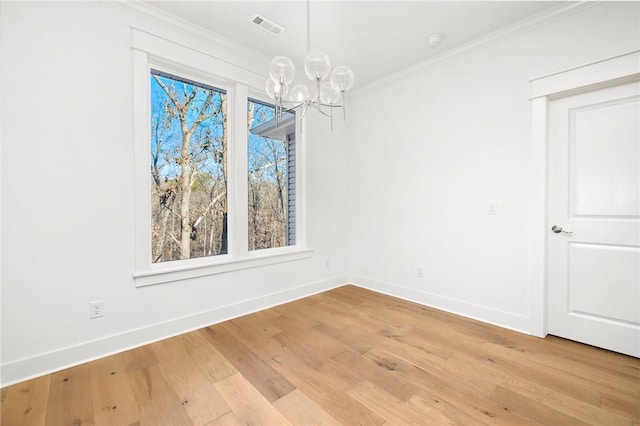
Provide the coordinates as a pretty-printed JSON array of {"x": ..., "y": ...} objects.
[{"x": 253, "y": 260}]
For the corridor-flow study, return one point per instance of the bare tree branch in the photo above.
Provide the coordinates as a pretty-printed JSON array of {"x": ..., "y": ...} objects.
[
  {"x": 202, "y": 115},
  {"x": 218, "y": 197}
]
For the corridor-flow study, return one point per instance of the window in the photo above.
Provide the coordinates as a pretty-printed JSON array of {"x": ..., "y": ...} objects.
[
  {"x": 271, "y": 177},
  {"x": 188, "y": 168},
  {"x": 215, "y": 191}
]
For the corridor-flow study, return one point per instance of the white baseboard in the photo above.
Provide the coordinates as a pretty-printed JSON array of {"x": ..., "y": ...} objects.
[
  {"x": 60, "y": 359},
  {"x": 509, "y": 320}
]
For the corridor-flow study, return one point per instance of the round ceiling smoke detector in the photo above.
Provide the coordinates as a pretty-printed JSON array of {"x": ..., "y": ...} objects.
[{"x": 434, "y": 40}]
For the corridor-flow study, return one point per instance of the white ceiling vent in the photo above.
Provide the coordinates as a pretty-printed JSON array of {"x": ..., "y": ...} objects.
[{"x": 267, "y": 25}]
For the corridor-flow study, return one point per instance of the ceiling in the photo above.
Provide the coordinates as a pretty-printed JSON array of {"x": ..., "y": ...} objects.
[{"x": 374, "y": 38}]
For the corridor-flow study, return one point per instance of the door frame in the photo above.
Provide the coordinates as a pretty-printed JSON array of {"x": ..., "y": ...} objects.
[{"x": 604, "y": 73}]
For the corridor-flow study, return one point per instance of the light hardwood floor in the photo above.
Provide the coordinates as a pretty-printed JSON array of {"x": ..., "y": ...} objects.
[{"x": 348, "y": 356}]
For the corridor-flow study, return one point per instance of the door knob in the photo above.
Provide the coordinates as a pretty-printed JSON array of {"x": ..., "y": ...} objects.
[{"x": 556, "y": 229}]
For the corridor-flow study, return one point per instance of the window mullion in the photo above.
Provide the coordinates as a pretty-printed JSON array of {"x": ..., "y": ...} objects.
[{"x": 238, "y": 167}]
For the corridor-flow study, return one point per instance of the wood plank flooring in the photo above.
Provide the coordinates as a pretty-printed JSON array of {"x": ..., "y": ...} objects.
[{"x": 348, "y": 356}]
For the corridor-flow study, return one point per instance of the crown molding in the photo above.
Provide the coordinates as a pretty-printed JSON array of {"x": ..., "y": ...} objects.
[
  {"x": 532, "y": 22},
  {"x": 160, "y": 17},
  {"x": 157, "y": 16}
]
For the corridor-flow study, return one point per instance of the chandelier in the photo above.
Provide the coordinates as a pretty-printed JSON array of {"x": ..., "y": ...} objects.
[{"x": 324, "y": 92}]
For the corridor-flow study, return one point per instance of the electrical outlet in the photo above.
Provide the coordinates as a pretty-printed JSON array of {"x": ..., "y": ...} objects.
[
  {"x": 327, "y": 263},
  {"x": 96, "y": 309},
  {"x": 492, "y": 209},
  {"x": 419, "y": 272}
]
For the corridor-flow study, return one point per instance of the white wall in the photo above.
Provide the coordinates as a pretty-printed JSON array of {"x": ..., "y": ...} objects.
[
  {"x": 67, "y": 199},
  {"x": 430, "y": 150},
  {"x": 419, "y": 162}
]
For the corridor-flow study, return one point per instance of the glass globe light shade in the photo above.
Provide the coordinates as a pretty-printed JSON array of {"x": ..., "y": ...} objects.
[
  {"x": 328, "y": 94},
  {"x": 317, "y": 65},
  {"x": 342, "y": 78},
  {"x": 281, "y": 68},
  {"x": 313, "y": 90},
  {"x": 275, "y": 89},
  {"x": 299, "y": 93}
]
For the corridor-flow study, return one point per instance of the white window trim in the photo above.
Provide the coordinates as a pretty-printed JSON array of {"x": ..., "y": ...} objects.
[{"x": 154, "y": 52}]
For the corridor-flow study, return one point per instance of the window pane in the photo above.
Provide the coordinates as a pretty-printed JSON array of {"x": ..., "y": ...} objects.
[
  {"x": 188, "y": 169},
  {"x": 271, "y": 178}
]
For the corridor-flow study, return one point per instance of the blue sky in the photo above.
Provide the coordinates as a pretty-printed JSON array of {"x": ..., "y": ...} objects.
[{"x": 167, "y": 129}]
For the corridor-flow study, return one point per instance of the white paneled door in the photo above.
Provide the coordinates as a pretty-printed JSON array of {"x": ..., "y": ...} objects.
[{"x": 594, "y": 209}]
